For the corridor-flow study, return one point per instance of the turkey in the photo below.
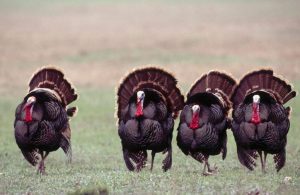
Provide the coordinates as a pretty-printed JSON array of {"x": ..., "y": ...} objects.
[
  {"x": 204, "y": 118},
  {"x": 42, "y": 119},
  {"x": 260, "y": 121},
  {"x": 148, "y": 101}
]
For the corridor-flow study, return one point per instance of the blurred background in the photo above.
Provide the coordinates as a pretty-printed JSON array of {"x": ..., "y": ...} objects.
[{"x": 96, "y": 42}]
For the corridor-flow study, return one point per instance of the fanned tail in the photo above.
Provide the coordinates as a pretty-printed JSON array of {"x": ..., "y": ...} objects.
[
  {"x": 283, "y": 89},
  {"x": 53, "y": 79},
  {"x": 153, "y": 78},
  {"x": 263, "y": 80},
  {"x": 217, "y": 83}
]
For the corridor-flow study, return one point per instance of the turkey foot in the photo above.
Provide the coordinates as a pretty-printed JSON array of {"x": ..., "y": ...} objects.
[
  {"x": 210, "y": 171},
  {"x": 204, "y": 172},
  {"x": 214, "y": 169},
  {"x": 207, "y": 173},
  {"x": 41, "y": 168}
]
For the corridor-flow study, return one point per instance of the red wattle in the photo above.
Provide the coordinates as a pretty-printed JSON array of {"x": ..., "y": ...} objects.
[
  {"x": 28, "y": 117},
  {"x": 195, "y": 121},
  {"x": 139, "y": 109},
  {"x": 255, "y": 114}
]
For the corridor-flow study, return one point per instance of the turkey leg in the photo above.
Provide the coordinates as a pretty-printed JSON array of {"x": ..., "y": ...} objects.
[
  {"x": 41, "y": 167},
  {"x": 204, "y": 172},
  {"x": 152, "y": 160},
  {"x": 210, "y": 171},
  {"x": 263, "y": 160}
]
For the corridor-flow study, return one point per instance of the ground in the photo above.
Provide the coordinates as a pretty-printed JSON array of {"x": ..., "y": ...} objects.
[{"x": 97, "y": 42}]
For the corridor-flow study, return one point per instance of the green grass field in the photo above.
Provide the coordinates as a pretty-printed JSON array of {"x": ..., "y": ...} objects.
[
  {"x": 98, "y": 162},
  {"x": 97, "y": 42}
]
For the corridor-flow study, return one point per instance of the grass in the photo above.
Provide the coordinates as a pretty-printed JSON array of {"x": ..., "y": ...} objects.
[{"x": 98, "y": 164}]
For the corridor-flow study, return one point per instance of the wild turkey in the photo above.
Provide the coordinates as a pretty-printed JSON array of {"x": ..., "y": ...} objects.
[
  {"x": 204, "y": 118},
  {"x": 260, "y": 121},
  {"x": 41, "y": 123},
  {"x": 148, "y": 101}
]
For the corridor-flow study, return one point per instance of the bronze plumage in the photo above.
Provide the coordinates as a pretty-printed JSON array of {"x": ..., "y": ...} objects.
[
  {"x": 42, "y": 118},
  {"x": 204, "y": 118},
  {"x": 260, "y": 121},
  {"x": 148, "y": 101}
]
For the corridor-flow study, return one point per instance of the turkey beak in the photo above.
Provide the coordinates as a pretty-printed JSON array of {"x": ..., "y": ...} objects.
[{"x": 139, "y": 100}]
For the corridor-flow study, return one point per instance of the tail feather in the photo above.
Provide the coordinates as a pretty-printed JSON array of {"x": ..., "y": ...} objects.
[
  {"x": 199, "y": 86},
  {"x": 154, "y": 78},
  {"x": 289, "y": 96},
  {"x": 253, "y": 81},
  {"x": 266, "y": 81},
  {"x": 213, "y": 81},
  {"x": 221, "y": 81},
  {"x": 217, "y": 83},
  {"x": 53, "y": 79},
  {"x": 282, "y": 88}
]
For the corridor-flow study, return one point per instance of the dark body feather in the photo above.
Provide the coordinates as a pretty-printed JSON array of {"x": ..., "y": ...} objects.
[
  {"x": 270, "y": 134},
  {"x": 209, "y": 137},
  {"x": 48, "y": 129},
  {"x": 153, "y": 130},
  {"x": 150, "y": 131}
]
